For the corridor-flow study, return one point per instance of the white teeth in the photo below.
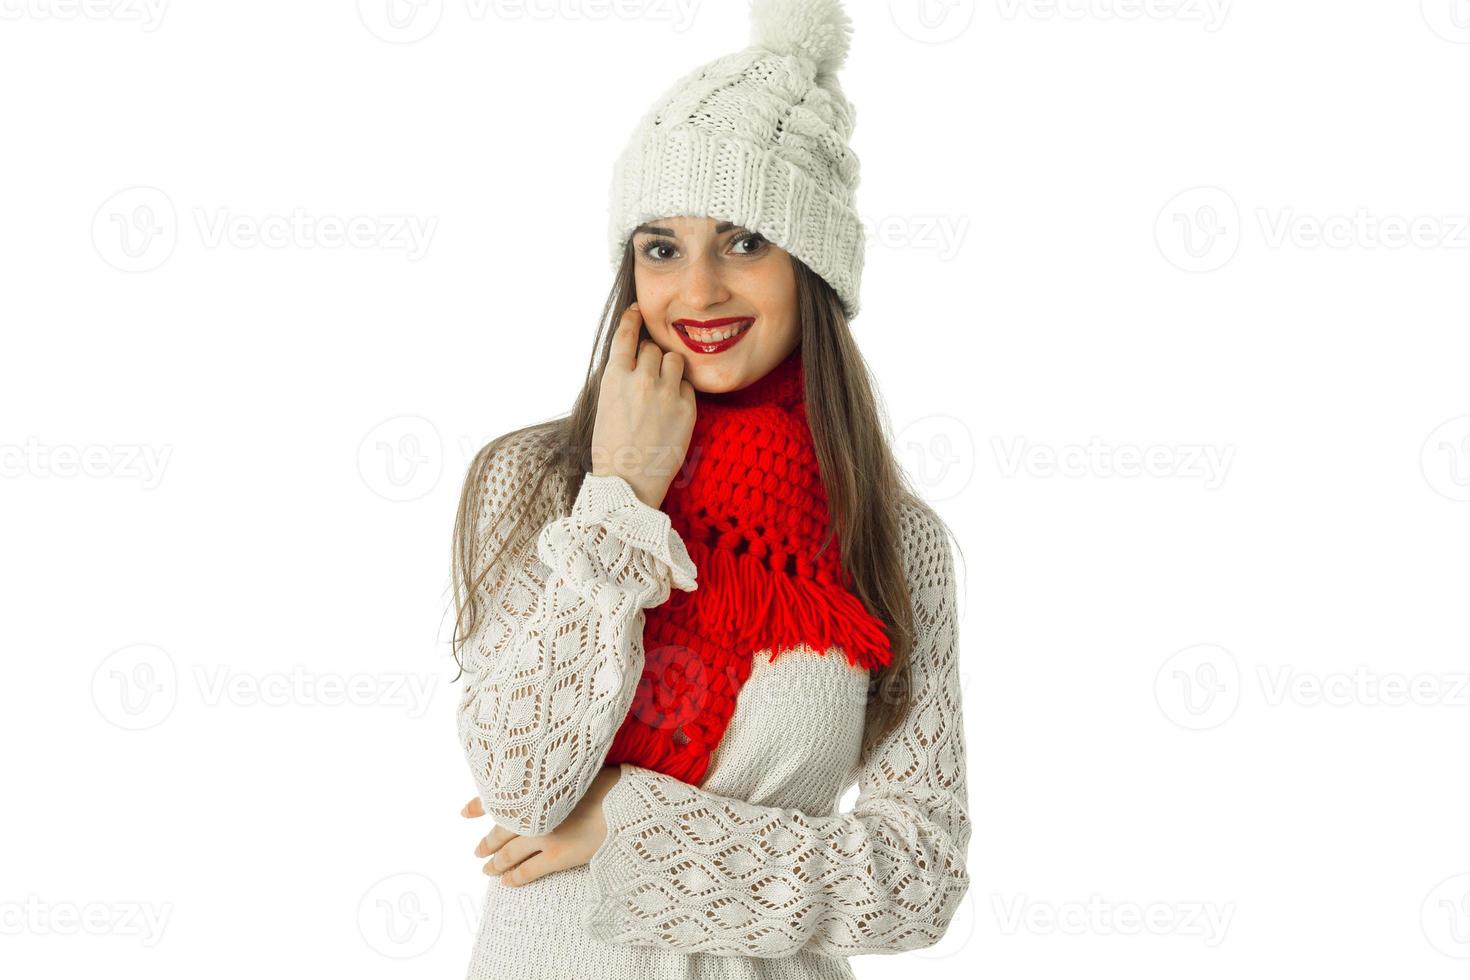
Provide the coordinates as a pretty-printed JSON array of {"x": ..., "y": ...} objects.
[{"x": 715, "y": 336}]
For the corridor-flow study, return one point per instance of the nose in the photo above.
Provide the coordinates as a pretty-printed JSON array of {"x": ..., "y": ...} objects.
[{"x": 703, "y": 287}]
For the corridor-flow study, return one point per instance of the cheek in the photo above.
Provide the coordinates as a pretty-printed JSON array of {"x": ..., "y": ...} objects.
[
  {"x": 790, "y": 334},
  {"x": 773, "y": 290},
  {"x": 652, "y": 298},
  {"x": 783, "y": 324}
]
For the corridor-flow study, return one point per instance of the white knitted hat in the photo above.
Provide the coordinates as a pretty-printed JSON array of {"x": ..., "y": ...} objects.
[{"x": 760, "y": 139}]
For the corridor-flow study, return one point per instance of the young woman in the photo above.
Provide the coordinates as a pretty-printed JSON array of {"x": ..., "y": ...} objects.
[{"x": 694, "y": 611}]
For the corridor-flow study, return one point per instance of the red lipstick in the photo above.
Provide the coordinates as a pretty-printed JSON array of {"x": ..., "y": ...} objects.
[{"x": 716, "y": 346}]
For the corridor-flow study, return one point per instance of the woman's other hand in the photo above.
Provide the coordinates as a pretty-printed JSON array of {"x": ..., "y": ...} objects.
[{"x": 520, "y": 860}]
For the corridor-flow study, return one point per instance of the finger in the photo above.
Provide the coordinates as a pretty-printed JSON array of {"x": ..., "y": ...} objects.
[
  {"x": 510, "y": 855},
  {"x": 650, "y": 358},
  {"x": 474, "y": 808},
  {"x": 536, "y": 866},
  {"x": 624, "y": 350},
  {"x": 493, "y": 841},
  {"x": 673, "y": 366}
]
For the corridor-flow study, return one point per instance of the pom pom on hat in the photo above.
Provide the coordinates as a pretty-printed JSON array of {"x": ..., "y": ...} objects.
[{"x": 816, "y": 31}]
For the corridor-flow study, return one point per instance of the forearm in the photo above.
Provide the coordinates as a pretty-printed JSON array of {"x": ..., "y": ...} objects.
[
  {"x": 686, "y": 869},
  {"x": 683, "y": 868},
  {"x": 561, "y": 653}
]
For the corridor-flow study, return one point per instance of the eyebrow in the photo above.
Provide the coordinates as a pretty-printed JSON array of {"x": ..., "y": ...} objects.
[{"x": 720, "y": 229}]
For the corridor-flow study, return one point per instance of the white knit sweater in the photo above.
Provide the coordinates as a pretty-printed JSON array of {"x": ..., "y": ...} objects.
[{"x": 754, "y": 873}]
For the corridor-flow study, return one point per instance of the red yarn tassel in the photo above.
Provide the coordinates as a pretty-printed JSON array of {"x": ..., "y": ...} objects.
[{"x": 741, "y": 601}]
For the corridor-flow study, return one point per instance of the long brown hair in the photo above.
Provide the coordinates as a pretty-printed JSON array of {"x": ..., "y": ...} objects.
[{"x": 865, "y": 485}]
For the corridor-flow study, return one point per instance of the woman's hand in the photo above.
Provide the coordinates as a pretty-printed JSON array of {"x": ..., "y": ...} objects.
[
  {"x": 520, "y": 860},
  {"x": 645, "y": 413}
]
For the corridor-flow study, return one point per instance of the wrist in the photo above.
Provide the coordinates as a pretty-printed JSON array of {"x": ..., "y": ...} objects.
[{"x": 648, "y": 494}]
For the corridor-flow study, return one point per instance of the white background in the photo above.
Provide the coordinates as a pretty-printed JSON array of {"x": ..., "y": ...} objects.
[{"x": 1225, "y": 695}]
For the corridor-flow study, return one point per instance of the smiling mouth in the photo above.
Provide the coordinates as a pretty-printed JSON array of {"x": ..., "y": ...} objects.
[{"x": 717, "y": 331}]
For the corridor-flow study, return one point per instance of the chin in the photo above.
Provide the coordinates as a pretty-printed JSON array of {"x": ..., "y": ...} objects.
[{"x": 714, "y": 380}]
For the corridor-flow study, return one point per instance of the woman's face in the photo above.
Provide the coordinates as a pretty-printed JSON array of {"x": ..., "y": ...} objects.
[{"x": 702, "y": 269}]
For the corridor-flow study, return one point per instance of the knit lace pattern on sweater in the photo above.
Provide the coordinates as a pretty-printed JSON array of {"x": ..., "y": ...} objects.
[{"x": 551, "y": 673}]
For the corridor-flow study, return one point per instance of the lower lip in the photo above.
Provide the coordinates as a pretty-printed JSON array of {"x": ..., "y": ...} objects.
[{"x": 717, "y": 346}]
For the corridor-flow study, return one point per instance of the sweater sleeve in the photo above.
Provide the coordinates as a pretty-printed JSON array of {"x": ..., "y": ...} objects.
[
  {"x": 682, "y": 868},
  {"x": 551, "y": 670}
]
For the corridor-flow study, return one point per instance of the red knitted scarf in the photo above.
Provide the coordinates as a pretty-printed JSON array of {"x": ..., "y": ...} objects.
[{"x": 750, "y": 506}]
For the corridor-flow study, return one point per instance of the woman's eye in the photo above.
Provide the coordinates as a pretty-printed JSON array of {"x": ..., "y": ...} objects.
[
  {"x": 650, "y": 249},
  {"x": 755, "y": 241},
  {"x": 653, "y": 250}
]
